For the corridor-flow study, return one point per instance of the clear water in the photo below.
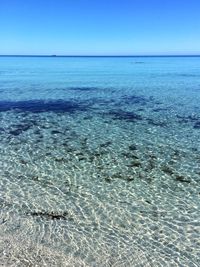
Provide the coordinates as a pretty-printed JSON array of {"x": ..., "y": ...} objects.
[{"x": 100, "y": 161}]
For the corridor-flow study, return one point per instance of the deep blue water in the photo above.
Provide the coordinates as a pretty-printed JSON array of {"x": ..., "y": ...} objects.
[{"x": 100, "y": 161}]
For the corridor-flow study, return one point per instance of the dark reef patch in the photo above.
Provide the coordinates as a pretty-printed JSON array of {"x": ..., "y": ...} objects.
[
  {"x": 159, "y": 109},
  {"x": 106, "y": 144},
  {"x": 197, "y": 125},
  {"x": 134, "y": 99},
  {"x": 189, "y": 75},
  {"x": 181, "y": 178},
  {"x": 156, "y": 123},
  {"x": 20, "y": 128},
  {"x": 83, "y": 89},
  {"x": 50, "y": 215},
  {"x": 56, "y": 132},
  {"x": 132, "y": 147},
  {"x": 186, "y": 119},
  {"x": 190, "y": 119},
  {"x": 168, "y": 170},
  {"x": 39, "y": 106},
  {"x": 2, "y": 130},
  {"x": 135, "y": 163},
  {"x": 124, "y": 115}
]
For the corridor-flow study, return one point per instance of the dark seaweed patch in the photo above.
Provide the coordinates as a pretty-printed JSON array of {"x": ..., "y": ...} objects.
[
  {"x": 187, "y": 75},
  {"x": 132, "y": 147},
  {"x": 22, "y": 161},
  {"x": 121, "y": 176},
  {"x": 135, "y": 163},
  {"x": 33, "y": 121},
  {"x": 2, "y": 130},
  {"x": 197, "y": 125},
  {"x": 156, "y": 123},
  {"x": 38, "y": 106},
  {"x": 134, "y": 99},
  {"x": 56, "y": 132},
  {"x": 87, "y": 118},
  {"x": 166, "y": 169},
  {"x": 37, "y": 132},
  {"x": 50, "y": 215},
  {"x": 106, "y": 144},
  {"x": 83, "y": 89},
  {"x": 125, "y": 115},
  {"x": 190, "y": 119},
  {"x": 129, "y": 155},
  {"x": 181, "y": 178},
  {"x": 159, "y": 109},
  {"x": 186, "y": 119},
  {"x": 20, "y": 128}
]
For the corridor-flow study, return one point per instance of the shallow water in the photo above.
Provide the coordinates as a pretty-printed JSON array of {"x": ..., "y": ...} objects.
[{"x": 100, "y": 162}]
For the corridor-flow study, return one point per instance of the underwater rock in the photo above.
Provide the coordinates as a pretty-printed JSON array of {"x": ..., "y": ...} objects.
[
  {"x": 20, "y": 128},
  {"x": 22, "y": 161},
  {"x": 60, "y": 159},
  {"x": 166, "y": 169},
  {"x": 129, "y": 178},
  {"x": 68, "y": 148},
  {"x": 80, "y": 158},
  {"x": 135, "y": 164},
  {"x": 133, "y": 147},
  {"x": 37, "y": 132},
  {"x": 182, "y": 179},
  {"x": 84, "y": 141},
  {"x": 3, "y": 220},
  {"x": 125, "y": 115},
  {"x": 134, "y": 99},
  {"x": 142, "y": 174},
  {"x": 2, "y": 130},
  {"x": 197, "y": 125},
  {"x": 31, "y": 121},
  {"x": 50, "y": 215},
  {"x": 79, "y": 153},
  {"x": 130, "y": 155},
  {"x": 159, "y": 109},
  {"x": 35, "y": 178},
  {"x": 100, "y": 153},
  {"x": 121, "y": 176},
  {"x": 91, "y": 157},
  {"x": 106, "y": 144},
  {"x": 87, "y": 118},
  {"x": 134, "y": 156},
  {"x": 97, "y": 154},
  {"x": 186, "y": 119},
  {"x": 56, "y": 132},
  {"x": 151, "y": 164},
  {"x": 108, "y": 179},
  {"x": 156, "y": 123},
  {"x": 126, "y": 154}
]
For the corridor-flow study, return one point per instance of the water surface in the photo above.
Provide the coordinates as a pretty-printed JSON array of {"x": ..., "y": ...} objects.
[{"x": 99, "y": 162}]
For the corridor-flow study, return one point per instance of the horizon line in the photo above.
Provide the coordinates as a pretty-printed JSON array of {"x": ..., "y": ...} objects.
[{"x": 54, "y": 55}]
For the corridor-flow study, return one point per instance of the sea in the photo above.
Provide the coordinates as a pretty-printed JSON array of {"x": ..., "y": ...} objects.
[{"x": 100, "y": 161}]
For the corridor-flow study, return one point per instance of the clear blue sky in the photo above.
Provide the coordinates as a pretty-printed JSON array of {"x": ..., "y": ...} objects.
[{"x": 100, "y": 27}]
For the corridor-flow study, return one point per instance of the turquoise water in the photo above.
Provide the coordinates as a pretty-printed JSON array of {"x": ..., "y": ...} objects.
[{"x": 100, "y": 161}]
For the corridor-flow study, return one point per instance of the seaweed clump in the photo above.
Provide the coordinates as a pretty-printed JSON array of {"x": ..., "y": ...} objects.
[
  {"x": 50, "y": 215},
  {"x": 125, "y": 115}
]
